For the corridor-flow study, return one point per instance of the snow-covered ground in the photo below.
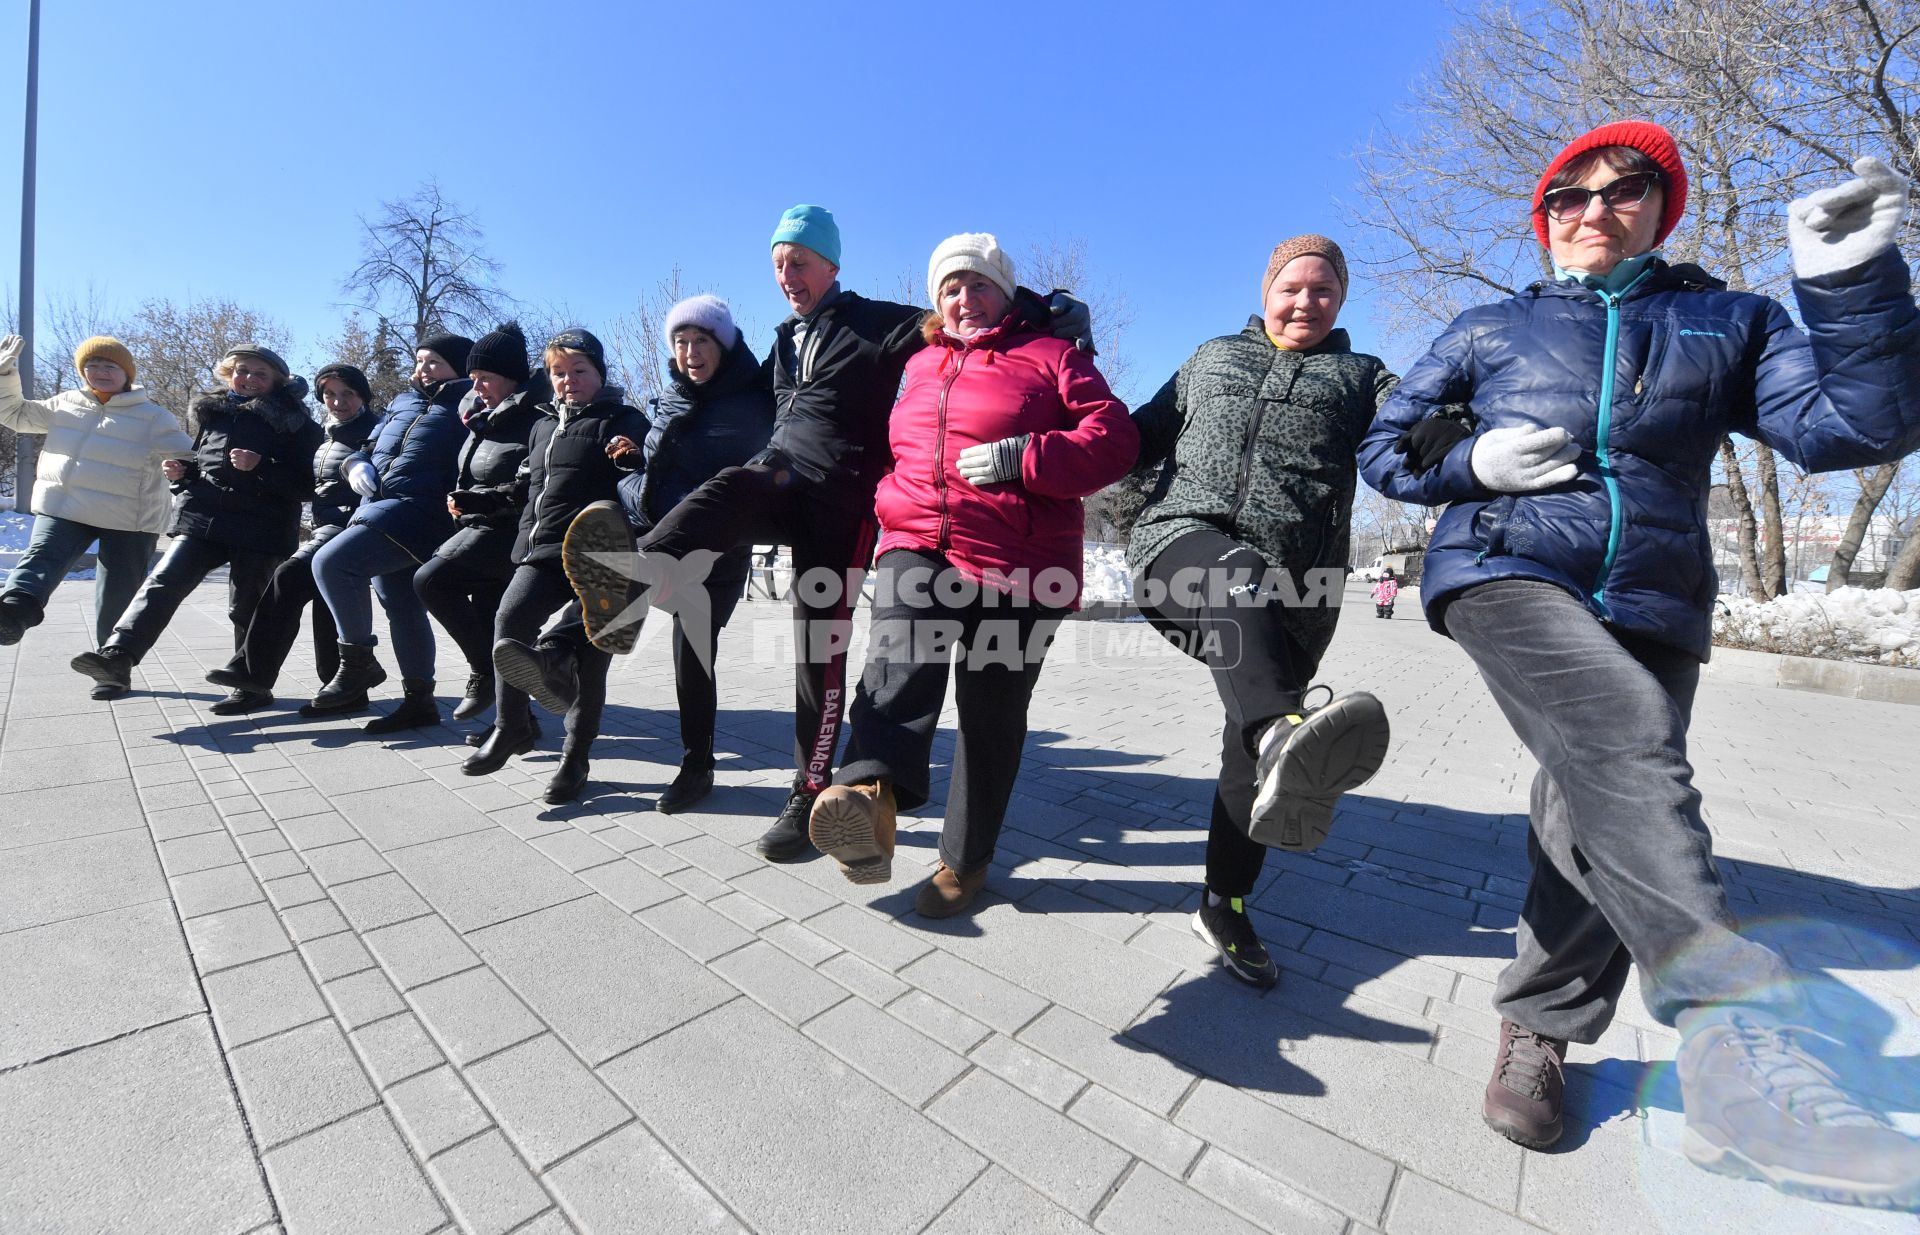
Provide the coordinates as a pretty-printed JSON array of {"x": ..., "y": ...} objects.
[
  {"x": 1877, "y": 625},
  {"x": 15, "y": 527}
]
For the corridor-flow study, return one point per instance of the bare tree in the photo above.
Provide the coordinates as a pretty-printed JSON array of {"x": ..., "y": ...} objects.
[
  {"x": 378, "y": 353},
  {"x": 1768, "y": 99},
  {"x": 177, "y": 348},
  {"x": 1873, "y": 483},
  {"x": 421, "y": 267},
  {"x": 636, "y": 340}
]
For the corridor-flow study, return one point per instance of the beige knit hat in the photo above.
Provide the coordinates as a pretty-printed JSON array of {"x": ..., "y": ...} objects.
[
  {"x": 1309, "y": 245},
  {"x": 970, "y": 251}
]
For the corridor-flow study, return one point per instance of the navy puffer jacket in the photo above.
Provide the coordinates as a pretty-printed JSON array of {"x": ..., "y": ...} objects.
[
  {"x": 416, "y": 452},
  {"x": 1647, "y": 383}
]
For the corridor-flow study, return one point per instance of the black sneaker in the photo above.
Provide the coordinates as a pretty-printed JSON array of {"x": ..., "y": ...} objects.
[
  {"x": 1759, "y": 1106},
  {"x": 1306, "y": 760},
  {"x": 786, "y": 840},
  {"x": 1227, "y": 928},
  {"x": 110, "y": 666},
  {"x": 240, "y": 701}
]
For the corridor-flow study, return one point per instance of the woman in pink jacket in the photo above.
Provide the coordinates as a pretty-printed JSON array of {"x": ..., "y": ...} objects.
[{"x": 999, "y": 431}]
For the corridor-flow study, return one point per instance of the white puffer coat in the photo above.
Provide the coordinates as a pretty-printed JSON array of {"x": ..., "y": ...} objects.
[{"x": 100, "y": 464}]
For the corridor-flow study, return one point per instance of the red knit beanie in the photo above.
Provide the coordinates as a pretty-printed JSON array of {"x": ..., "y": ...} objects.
[{"x": 1642, "y": 135}]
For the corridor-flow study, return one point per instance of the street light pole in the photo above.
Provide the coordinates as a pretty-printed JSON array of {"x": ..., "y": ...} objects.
[{"x": 26, "y": 453}]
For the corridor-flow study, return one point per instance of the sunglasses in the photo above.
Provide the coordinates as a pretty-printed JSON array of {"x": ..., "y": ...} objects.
[{"x": 1622, "y": 194}]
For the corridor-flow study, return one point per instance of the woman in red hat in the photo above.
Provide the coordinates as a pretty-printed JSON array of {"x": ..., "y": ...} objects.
[{"x": 1572, "y": 564}]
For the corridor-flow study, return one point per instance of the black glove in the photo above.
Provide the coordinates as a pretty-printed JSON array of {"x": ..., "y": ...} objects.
[
  {"x": 1428, "y": 442},
  {"x": 478, "y": 501},
  {"x": 1072, "y": 319}
]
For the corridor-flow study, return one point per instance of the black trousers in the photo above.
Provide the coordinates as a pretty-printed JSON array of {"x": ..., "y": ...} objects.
[
  {"x": 186, "y": 562},
  {"x": 1259, "y": 669},
  {"x": 995, "y": 645},
  {"x": 463, "y": 594},
  {"x": 831, "y": 534},
  {"x": 275, "y": 626},
  {"x": 537, "y": 591},
  {"x": 695, "y": 671}
]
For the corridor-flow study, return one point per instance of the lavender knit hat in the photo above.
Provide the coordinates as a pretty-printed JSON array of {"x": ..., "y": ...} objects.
[{"x": 709, "y": 313}]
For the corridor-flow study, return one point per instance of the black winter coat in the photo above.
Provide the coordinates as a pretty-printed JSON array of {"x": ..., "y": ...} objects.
[
  {"x": 832, "y": 408},
  {"x": 255, "y": 511},
  {"x": 568, "y": 469},
  {"x": 492, "y": 484}
]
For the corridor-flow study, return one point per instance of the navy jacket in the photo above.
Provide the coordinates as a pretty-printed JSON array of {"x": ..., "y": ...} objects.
[
  {"x": 1647, "y": 385},
  {"x": 416, "y": 452}
]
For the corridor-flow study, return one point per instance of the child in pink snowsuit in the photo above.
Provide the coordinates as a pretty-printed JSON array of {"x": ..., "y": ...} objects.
[{"x": 1384, "y": 593}]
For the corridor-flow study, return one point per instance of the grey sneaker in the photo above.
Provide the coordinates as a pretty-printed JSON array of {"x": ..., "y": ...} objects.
[
  {"x": 1304, "y": 762},
  {"x": 1759, "y": 1106},
  {"x": 1524, "y": 1096}
]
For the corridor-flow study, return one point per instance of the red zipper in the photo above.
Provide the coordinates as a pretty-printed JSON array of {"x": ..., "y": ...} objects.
[{"x": 940, "y": 452}]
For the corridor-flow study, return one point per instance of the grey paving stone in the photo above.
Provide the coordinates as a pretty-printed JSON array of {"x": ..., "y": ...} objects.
[
  {"x": 800, "y": 943},
  {"x": 336, "y": 956},
  {"x": 235, "y": 936},
  {"x": 346, "y": 861},
  {"x": 362, "y": 998},
  {"x": 869, "y": 937},
  {"x": 277, "y": 867},
  {"x": 716, "y": 857},
  {"x": 1420, "y": 1206},
  {"x": 628, "y": 885},
  {"x": 781, "y": 984},
  {"x": 695, "y": 929},
  {"x": 946, "y": 1025},
  {"x": 473, "y": 1014},
  {"x": 317, "y": 831},
  {"x": 89, "y": 979},
  {"x": 1310, "y": 1158},
  {"x": 298, "y": 1081},
  {"x": 629, "y": 1184},
  {"x": 780, "y": 891},
  {"x": 1262, "y": 1199},
  {"x": 352, "y": 1177},
  {"x": 355, "y": 768},
  {"x": 76, "y": 764},
  {"x": 420, "y": 951},
  {"x": 436, "y": 1110},
  {"x": 999, "y": 1204},
  {"x": 1070, "y": 1165},
  {"x": 485, "y": 877},
  {"x": 869, "y": 981},
  {"x": 66, "y": 879},
  {"x": 209, "y": 891},
  {"x": 1122, "y": 1065},
  {"x": 490, "y": 1189},
  {"x": 40, "y": 816},
  {"x": 396, "y": 1048},
  {"x": 293, "y": 890},
  {"x": 1028, "y": 1071},
  {"x": 184, "y": 821},
  {"x": 260, "y": 844},
  {"x": 380, "y": 901},
  {"x": 547, "y": 1101},
  {"x": 314, "y": 921},
  {"x": 1141, "y": 1133},
  {"x": 253, "y": 1001},
  {"x": 100, "y": 1140},
  {"x": 904, "y": 1062},
  {"x": 573, "y": 850},
  {"x": 409, "y": 813},
  {"x": 765, "y": 1156},
  {"x": 1148, "y": 1203},
  {"x": 604, "y": 982},
  {"x": 974, "y": 991}
]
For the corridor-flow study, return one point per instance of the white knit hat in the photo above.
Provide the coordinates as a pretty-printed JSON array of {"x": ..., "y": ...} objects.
[
  {"x": 970, "y": 251},
  {"x": 709, "y": 313}
]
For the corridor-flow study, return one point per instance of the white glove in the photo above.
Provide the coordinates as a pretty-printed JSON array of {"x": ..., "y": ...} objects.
[
  {"x": 992, "y": 463},
  {"x": 362, "y": 479},
  {"x": 1522, "y": 458},
  {"x": 1839, "y": 228},
  {"x": 10, "y": 348}
]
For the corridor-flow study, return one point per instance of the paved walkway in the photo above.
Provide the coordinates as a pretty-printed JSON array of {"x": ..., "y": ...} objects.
[{"x": 268, "y": 974}]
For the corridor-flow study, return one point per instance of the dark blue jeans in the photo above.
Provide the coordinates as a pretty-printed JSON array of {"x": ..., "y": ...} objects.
[
  {"x": 1623, "y": 869},
  {"x": 53, "y": 548},
  {"x": 343, "y": 569}
]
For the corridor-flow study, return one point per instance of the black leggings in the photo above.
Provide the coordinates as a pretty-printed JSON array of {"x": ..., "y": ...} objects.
[{"x": 463, "y": 593}]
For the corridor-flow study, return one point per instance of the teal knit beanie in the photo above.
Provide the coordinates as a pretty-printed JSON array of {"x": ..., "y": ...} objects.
[{"x": 812, "y": 226}]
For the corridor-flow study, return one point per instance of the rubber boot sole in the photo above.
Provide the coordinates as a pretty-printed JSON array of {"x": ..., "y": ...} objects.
[
  {"x": 598, "y": 544},
  {"x": 519, "y": 666},
  {"x": 102, "y": 670},
  {"x": 1520, "y": 1136},
  {"x": 1727, "y": 1160},
  {"x": 1336, "y": 750},
  {"x": 841, "y": 827}
]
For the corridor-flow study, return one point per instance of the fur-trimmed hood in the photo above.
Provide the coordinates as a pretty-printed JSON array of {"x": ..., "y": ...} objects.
[{"x": 284, "y": 409}]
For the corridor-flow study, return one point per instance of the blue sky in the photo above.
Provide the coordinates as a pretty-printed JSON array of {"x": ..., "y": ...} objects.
[{"x": 220, "y": 149}]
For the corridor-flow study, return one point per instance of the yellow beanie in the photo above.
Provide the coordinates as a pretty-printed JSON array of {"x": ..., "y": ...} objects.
[{"x": 103, "y": 347}]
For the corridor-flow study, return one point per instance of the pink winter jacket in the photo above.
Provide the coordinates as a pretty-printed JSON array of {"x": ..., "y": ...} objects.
[
  {"x": 1003, "y": 382},
  {"x": 1385, "y": 591}
]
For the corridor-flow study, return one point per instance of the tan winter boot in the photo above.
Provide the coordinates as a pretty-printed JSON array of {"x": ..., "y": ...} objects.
[
  {"x": 854, "y": 825},
  {"x": 947, "y": 893}
]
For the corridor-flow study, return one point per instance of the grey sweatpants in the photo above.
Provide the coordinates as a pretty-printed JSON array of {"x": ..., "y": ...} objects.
[{"x": 1623, "y": 866}]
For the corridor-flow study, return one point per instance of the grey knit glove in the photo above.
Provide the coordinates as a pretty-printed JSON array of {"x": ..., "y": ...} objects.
[
  {"x": 1839, "y": 228},
  {"x": 993, "y": 463},
  {"x": 1522, "y": 458},
  {"x": 10, "y": 349}
]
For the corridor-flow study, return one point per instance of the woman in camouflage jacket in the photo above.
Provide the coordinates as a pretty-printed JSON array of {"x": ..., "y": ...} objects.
[{"x": 1239, "y": 556}]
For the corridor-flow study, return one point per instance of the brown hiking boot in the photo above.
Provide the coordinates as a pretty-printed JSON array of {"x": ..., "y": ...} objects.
[
  {"x": 947, "y": 893},
  {"x": 1523, "y": 1098},
  {"x": 854, "y": 825}
]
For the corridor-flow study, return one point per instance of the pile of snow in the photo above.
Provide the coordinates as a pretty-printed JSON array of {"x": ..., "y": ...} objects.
[
  {"x": 15, "y": 527},
  {"x": 1876, "y": 625},
  {"x": 1106, "y": 577}
]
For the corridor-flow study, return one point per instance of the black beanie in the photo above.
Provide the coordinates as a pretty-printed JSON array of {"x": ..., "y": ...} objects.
[
  {"x": 502, "y": 351},
  {"x": 575, "y": 339},
  {"x": 355, "y": 380},
  {"x": 451, "y": 348}
]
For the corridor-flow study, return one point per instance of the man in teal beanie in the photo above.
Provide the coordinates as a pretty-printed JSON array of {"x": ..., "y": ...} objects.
[{"x": 812, "y": 226}]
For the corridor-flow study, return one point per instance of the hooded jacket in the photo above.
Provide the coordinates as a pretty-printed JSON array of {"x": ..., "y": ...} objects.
[
  {"x": 100, "y": 464},
  {"x": 567, "y": 468},
  {"x": 416, "y": 452},
  {"x": 1647, "y": 381},
  {"x": 255, "y": 511},
  {"x": 492, "y": 479},
  {"x": 1003, "y": 382}
]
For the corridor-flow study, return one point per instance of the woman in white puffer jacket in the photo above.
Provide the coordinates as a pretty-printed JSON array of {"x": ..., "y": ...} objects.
[{"x": 99, "y": 479}]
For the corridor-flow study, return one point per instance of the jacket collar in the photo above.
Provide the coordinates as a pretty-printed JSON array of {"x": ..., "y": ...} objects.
[{"x": 1337, "y": 340}]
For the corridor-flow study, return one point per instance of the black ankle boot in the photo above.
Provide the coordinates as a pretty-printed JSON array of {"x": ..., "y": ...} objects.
[
  {"x": 347, "y": 692},
  {"x": 478, "y": 698},
  {"x": 416, "y": 711},
  {"x": 502, "y": 744},
  {"x": 570, "y": 779},
  {"x": 695, "y": 781},
  {"x": 110, "y": 666}
]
